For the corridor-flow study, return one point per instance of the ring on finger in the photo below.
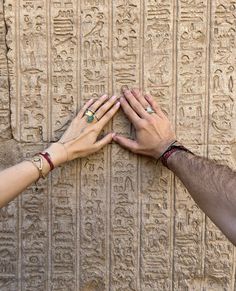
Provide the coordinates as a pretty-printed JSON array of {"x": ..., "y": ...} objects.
[
  {"x": 150, "y": 110},
  {"x": 93, "y": 112},
  {"x": 96, "y": 105},
  {"x": 90, "y": 116}
]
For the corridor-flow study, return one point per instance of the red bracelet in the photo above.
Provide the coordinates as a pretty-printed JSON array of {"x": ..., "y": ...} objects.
[
  {"x": 48, "y": 159},
  {"x": 172, "y": 149}
]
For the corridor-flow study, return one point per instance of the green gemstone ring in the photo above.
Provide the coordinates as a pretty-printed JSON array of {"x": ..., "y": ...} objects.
[
  {"x": 90, "y": 116},
  {"x": 90, "y": 119}
]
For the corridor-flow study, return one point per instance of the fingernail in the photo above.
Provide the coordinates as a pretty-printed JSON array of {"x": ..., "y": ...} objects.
[
  {"x": 121, "y": 99},
  {"x": 113, "y": 135},
  {"x": 104, "y": 96},
  {"x": 114, "y": 97},
  {"x": 118, "y": 104}
]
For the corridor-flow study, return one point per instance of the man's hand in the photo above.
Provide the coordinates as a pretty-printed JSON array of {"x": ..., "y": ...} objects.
[{"x": 154, "y": 133}]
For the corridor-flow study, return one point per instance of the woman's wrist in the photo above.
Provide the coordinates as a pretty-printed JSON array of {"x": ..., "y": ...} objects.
[
  {"x": 58, "y": 153},
  {"x": 46, "y": 167},
  {"x": 47, "y": 160}
]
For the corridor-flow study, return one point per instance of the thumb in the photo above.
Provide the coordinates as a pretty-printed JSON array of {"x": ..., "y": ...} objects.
[
  {"x": 104, "y": 141},
  {"x": 126, "y": 143}
]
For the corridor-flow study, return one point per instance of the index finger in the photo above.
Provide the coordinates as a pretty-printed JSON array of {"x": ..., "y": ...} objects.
[{"x": 129, "y": 112}]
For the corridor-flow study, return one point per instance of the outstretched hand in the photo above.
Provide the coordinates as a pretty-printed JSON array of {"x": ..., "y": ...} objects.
[
  {"x": 154, "y": 133},
  {"x": 81, "y": 137}
]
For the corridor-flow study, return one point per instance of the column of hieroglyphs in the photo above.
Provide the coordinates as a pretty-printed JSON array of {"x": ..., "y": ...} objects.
[
  {"x": 192, "y": 59},
  {"x": 220, "y": 259},
  {"x": 27, "y": 59},
  {"x": 115, "y": 221},
  {"x": 156, "y": 182},
  {"x": 8, "y": 222},
  {"x": 63, "y": 31},
  {"x": 94, "y": 180},
  {"x": 125, "y": 197},
  {"x": 8, "y": 215}
]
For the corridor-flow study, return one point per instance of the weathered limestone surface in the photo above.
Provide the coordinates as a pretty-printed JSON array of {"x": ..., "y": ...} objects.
[
  {"x": 115, "y": 221},
  {"x": 5, "y": 132}
]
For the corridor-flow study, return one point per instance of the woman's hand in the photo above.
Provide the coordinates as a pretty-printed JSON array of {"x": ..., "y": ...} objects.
[
  {"x": 81, "y": 137},
  {"x": 154, "y": 133}
]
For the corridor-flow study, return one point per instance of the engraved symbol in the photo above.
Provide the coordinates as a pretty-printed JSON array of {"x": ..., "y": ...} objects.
[
  {"x": 63, "y": 26},
  {"x": 96, "y": 30},
  {"x": 231, "y": 84}
]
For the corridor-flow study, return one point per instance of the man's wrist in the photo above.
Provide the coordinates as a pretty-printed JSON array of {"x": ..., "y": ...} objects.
[
  {"x": 172, "y": 150},
  {"x": 178, "y": 158},
  {"x": 174, "y": 158}
]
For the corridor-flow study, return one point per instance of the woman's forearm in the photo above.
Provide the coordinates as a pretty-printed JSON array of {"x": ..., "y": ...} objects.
[
  {"x": 16, "y": 179},
  {"x": 79, "y": 140},
  {"x": 212, "y": 186}
]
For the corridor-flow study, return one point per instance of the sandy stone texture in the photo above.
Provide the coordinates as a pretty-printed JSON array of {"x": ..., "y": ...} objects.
[
  {"x": 115, "y": 221},
  {"x": 5, "y": 132}
]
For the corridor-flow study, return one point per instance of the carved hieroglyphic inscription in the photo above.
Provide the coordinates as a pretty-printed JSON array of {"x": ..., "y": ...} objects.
[{"x": 114, "y": 220}]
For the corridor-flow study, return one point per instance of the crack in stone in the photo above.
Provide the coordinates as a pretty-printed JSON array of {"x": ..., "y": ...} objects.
[{"x": 7, "y": 67}]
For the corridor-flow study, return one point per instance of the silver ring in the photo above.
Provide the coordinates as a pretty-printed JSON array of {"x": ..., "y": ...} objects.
[{"x": 150, "y": 110}]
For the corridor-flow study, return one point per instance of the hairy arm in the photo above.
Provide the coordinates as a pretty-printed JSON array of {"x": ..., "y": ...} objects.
[{"x": 212, "y": 186}]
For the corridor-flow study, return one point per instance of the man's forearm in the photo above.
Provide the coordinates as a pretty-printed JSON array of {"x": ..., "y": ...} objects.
[{"x": 212, "y": 186}]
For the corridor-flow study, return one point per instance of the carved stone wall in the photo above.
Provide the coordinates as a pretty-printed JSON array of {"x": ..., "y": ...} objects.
[{"x": 115, "y": 221}]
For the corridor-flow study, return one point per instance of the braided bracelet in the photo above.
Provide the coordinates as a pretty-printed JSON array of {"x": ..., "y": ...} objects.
[{"x": 174, "y": 147}]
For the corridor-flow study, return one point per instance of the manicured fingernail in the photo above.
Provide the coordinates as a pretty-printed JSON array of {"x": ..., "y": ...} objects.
[
  {"x": 118, "y": 104},
  {"x": 121, "y": 99},
  {"x": 114, "y": 97},
  {"x": 104, "y": 96},
  {"x": 113, "y": 135}
]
